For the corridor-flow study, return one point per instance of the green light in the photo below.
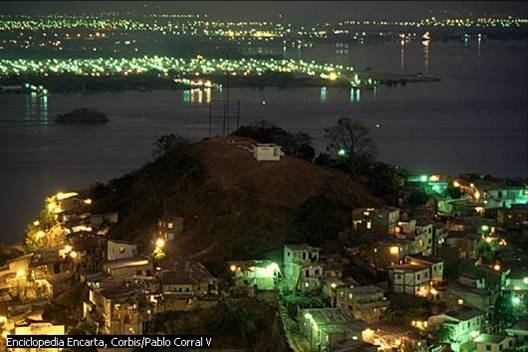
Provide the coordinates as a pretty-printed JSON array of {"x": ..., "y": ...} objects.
[
  {"x": 342, "y": 152},
  {"x": 516, "y": 300},
  {"x": 484, "y": 228},
  {"x": 423, "y": 178}
]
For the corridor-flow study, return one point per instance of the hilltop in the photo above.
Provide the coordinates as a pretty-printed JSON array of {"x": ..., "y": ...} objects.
[{"x": 233, "y": 205}]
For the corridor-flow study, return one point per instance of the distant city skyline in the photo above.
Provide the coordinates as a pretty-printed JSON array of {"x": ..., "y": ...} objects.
[{"x": 296, "y": 12}]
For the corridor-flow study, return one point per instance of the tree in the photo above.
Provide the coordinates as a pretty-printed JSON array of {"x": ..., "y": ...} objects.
[
  {"x": 417, "y": 197},
  {"x": 444, "y": 333},
  {"x": 386, "y": 181},
  {"x": 168, "y": 144},
  {"x": 298, "y": 144},
  {"x": 319, "y": 219},
  {"x": 350, "y": 142}
]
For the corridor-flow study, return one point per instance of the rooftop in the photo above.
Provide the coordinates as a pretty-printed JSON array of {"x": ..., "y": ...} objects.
[
  {"x": 127, "y": 262},
  {"x": 521, "y": 325},
  {"x": 300, "y": 247},
  {"x": 186, "y": 273},
  {"x": 333, "y": 318},
  {"x": 489, "y": 338},
  {"x": 464, "y": 313},
  {"x": 425, "y": 258},
  {"x": 368, "y": 289},
  {"x": 409, "y": 267}
]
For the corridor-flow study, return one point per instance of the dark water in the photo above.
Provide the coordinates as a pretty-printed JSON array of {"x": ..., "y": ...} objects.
[{"x": 475, "y": 120}]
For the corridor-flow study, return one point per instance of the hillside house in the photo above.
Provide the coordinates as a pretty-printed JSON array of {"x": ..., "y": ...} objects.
[
  {"x": 169, "y": 227},
  {"x": 494, "y": 343},
  {"x": 520, "y": 332},
  {"x": 410, "y": 279},
  {"x": 38, "y": 328},
  {"x": 188, "y": 279},
  {"x": 382, "y": 221},
  {"x": 366, "y": 303},
  {"x": 120, "y": 250},
  {"x": 129, "y": 267},
  {"x": 252, "y": 275},
  {"x": 464, "y": 325},
  {"x": 267, "y": 152},
  {"x": 435, "y": 265},
  {"x": 324, "y": 328},
  {"x": 302, "y": 269}
]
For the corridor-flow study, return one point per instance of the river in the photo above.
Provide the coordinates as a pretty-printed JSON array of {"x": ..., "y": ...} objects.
[{"x": 474, "y": 120}]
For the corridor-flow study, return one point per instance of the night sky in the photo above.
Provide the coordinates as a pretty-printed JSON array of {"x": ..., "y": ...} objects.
[{"x": 297, "y": 11}]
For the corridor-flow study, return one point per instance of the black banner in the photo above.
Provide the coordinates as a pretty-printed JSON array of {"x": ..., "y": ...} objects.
[{"x": 110, "y": 341}]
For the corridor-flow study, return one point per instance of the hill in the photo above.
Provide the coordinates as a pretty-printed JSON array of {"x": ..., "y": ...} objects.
[{"x": 233, "y": 205}]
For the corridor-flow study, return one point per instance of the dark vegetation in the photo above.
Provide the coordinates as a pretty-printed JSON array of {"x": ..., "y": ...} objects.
[
  {"x": 235, "y": 207},
  {"x": 298, "y": 144},
  {"x": 82, "y": 116},
  {"x": 234, "y": 324}
]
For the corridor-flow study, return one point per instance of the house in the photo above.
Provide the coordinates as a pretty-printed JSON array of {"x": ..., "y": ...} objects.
[
  {"x": 126, "y": 268},
  {"x": 513, "y": 217},
  {"x": 14, "y": 277},
  {"x": 520, "y": 332},
  {"x": 56, "y": 265},
  {"x": 120, "y": 250},
  {"x": 98, "y": 220},
  {"x": 440, "y": 234},
  {"x": 387, "y": 252},
  {"x": 188, "y": 279},
  {"x": 472, "y": 281},
  {"x": 410, "y": 279},
  {"x": 494, "y": 343},
  {"x": 505, "y": 197},
  {"x": 329, "y": 286},
  {"x": 366, "y": 303},
  {"x": 517, "y": 279},
  {"x": 381, "y": 221},
  {"x": 467, "y": 243},
  {"x": 419, "y": 235},
  {"x": 116, "y": 309},
  {"x": 169, "y": 227},
  {"x": 255, "y": 274},
  {"x": 38, "y": 328},
  {"x": 463, "y": 325},
  {"x": 326, "y": 327},
  {"x": 267, "y": 152},
  {"x": 436, "y": 266},
  {"x": 302, "y": 269},
  {"x": 479, "y": 298}
]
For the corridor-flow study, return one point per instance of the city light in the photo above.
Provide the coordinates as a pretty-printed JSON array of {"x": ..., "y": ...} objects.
[
  {"x": 160, "y": 243},
  {"x": 341, "y": 152}
]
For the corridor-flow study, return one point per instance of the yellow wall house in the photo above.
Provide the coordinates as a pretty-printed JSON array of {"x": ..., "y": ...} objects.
[{"x": 40, "y": 328}]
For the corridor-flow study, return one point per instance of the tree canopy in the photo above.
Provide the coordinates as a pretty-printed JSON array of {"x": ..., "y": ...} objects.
[
  {"x": 350, "y": 143},
  {"x": 298, "y": 144}
]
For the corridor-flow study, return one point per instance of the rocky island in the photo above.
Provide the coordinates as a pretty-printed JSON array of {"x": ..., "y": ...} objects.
[{"x": 83, "y": 116}]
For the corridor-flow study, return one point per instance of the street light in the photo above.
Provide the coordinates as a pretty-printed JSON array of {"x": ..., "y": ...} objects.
[{"x": 160, "y": 243}]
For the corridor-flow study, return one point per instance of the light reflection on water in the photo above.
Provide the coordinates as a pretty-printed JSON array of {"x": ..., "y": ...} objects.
[{"x": 474, "y": 120}]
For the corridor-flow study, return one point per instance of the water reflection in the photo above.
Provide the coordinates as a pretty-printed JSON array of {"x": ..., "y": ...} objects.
[
  {"x": 323, "y": 95},
  {"x": 426, "y": 55},
  {"x": 197, "y": 95},
  {"x": 402, "y": 55},
  {"x": 36, "y": 107},
  {"x": 355, "y": 95}
]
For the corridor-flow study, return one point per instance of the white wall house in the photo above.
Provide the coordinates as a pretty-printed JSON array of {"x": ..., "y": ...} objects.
[
  {"x": 410, "y": 279},
  {"x": 120, "y": 250},
  {"x": 267, "y": 152}
]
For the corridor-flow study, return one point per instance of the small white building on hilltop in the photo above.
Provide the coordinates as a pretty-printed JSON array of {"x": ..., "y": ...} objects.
[{"x": 267, "y": 152}]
